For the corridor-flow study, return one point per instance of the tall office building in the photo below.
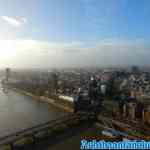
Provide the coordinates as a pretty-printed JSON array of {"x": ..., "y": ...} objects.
[{"x": 54, "y": 82}]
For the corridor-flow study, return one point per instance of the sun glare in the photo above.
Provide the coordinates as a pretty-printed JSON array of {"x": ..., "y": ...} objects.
[{"x": 7, "y": 49}]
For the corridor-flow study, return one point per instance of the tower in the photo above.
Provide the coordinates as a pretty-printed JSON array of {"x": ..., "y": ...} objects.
[{"x": 7, "y": 73}]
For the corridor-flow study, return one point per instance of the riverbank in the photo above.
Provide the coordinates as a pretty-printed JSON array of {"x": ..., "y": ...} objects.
[{"x": 59, "y": 103}]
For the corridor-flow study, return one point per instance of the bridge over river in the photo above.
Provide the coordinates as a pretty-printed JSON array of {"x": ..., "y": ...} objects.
[{"x": 19, "y": 112}]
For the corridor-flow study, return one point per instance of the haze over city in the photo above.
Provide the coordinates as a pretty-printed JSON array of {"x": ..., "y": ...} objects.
[
  {"x": 68, "y": 33},
  {"x": 74, "y": 74}
]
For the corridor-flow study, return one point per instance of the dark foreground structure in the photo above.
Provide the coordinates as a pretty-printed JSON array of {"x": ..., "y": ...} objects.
[{"x": 44, "y": 135}]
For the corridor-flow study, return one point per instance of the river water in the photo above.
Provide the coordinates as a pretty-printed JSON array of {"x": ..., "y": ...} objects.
[{"x": 18, "y": 111}]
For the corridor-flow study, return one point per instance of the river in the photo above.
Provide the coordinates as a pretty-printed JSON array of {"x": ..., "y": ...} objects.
[{"x": 18, "y": 111}]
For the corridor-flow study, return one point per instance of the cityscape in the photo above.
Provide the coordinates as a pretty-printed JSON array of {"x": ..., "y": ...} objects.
[
  {"x": 112, "y": 93},
  {"x": 74, "y": 74}
]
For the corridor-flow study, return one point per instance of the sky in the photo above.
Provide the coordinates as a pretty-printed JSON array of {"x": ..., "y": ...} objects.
[{"x": 74, "y": 33}]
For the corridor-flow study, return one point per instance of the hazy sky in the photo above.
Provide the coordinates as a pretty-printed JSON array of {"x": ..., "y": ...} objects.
[{"x": 64, "y": 33}]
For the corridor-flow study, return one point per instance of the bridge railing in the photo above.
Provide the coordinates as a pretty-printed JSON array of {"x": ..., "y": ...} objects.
[{"x": 32, "y": 131}]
